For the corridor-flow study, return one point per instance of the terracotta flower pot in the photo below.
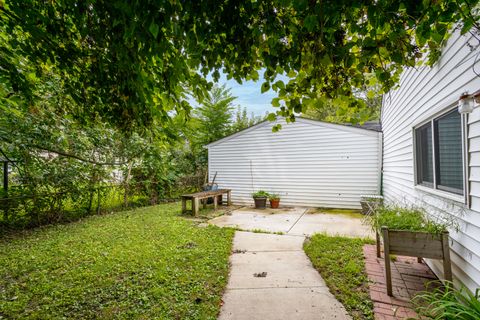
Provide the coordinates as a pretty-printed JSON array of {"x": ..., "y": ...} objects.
[
  {"x": 260, "y": 203},
  {"x": 274, "y": 203}
]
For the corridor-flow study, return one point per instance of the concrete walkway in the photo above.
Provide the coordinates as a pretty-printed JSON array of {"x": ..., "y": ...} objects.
[
  {"x": 295, "y": 221},
  {"x": 272, "y": 278}
]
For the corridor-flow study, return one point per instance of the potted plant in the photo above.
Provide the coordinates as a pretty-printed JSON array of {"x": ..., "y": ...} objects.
[
  {"x": 370, "y": 203},
  {"x": 260, "y": 198},
  {"x": 274, "y": 200},
  {"x": 408, "y": 232}
]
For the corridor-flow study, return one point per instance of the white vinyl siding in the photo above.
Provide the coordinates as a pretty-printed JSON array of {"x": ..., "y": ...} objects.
[
  {"x": 425, "y": 93},
  {"x": 308, "y": 163}
]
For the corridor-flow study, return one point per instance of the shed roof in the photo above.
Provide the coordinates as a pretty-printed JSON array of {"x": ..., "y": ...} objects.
[{"x": 369, "y": 128}]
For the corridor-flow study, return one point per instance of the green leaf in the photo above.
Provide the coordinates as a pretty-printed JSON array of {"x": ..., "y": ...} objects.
[
  {"x": 276, "y": 102},
  {"x": 371, "y": 94},
  {"x": 279, "y": 84},
  {"x": 153, "y": 29},
  {"x": 265, "y": 87},
  {"x": 272, "y": 117},
  {"x": 310, "y": 23}
]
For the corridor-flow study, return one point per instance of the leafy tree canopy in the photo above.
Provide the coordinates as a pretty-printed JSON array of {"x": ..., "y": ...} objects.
[
  {"x": 333, "y": 110},
  {"x": 130, "y": 62}
]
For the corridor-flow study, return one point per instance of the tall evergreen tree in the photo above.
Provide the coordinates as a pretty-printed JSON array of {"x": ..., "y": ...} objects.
[{"x": 215, "y": 114}]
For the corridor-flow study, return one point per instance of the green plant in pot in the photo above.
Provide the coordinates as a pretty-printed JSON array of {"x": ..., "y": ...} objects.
[
  {"x": 260, "y": 198},
  {"x": 274, "y": 200}
]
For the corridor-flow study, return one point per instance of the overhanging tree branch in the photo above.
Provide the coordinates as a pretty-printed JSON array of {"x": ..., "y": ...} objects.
[{"x": 69, "y": 155}]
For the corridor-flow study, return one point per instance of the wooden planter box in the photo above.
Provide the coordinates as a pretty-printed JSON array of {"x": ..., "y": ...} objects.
[{"x": 415, "y": 244}]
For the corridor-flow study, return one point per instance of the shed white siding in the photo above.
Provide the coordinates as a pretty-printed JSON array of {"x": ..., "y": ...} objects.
[
  {"x": 307, "y": 162},
  {"x": 424, "y": 92}
]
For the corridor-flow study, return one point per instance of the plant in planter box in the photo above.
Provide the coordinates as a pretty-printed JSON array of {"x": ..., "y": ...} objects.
[
  {"x": 408, "y": 232},
  {"x": 260, "y": 199},
  {"x": 274, "y": 200}
]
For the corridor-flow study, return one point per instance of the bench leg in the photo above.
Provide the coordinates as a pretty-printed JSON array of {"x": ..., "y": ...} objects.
[
  {"x": 184, "y": 205},
  {"x": 195, "y": 206},
  {"x": 204, "y": 201},
  {"x": 229, "y": 198},
  {"x": 215, "y": 200}
]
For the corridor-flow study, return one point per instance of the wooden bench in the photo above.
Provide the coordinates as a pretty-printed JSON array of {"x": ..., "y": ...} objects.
[{"x": 205, "y": 195}]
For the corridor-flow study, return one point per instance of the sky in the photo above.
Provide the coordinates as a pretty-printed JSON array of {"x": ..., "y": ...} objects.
[{"x": 249, "y": 96}]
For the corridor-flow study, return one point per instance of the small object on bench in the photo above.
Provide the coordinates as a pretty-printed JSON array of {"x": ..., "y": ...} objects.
[
  {"x": 204, "y": 195},
  {"x": 415, "y": 244}
]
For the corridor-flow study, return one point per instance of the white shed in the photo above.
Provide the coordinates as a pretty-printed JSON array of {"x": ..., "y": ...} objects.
[{"x": 308, "y": 163}]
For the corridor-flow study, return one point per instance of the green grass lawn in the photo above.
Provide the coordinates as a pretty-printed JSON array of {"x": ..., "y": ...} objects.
[
  {"x": 147, "y": 263},
  {"x": 341, "y": 263}
]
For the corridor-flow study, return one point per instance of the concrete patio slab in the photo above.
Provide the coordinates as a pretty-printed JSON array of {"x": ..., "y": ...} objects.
[
  {"x": 290, "y": 289},
  {"x": 278, "y": 220},
  {"x": 256, "y": 242},
  {"x": 295, "y": 221},
  {"x": 332, "y": 224}
]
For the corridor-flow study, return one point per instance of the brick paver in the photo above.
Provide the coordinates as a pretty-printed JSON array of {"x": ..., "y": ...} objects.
[{"x": 408, "y": 278}]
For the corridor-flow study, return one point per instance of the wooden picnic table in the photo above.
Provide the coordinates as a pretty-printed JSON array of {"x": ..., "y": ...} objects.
[{"x": 195, "y": 198}]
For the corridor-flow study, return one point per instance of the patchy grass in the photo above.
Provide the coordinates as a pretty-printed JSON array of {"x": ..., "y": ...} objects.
[
  {"x": 341, "y": 263},
  {"x": 141, "y": 264},
  {"x": 346, "y": 212},
  {"x": 264, "y": 231}
]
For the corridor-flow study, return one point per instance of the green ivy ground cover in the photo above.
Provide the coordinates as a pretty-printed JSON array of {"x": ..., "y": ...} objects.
[{"x": 147, "y": 263}]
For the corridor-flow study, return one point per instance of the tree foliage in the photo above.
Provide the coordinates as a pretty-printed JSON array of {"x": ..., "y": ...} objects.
[
  {"x": 130, "y": 62},
  {"x": 66, "y": 169},
  {"x": 215, "y": 114},
  {"x": 242, "y": 121},
  {"x": 336, "y": 111}
]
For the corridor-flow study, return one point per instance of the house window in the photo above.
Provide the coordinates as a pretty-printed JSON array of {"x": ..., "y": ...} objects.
[{"x": 439, "y": 155}]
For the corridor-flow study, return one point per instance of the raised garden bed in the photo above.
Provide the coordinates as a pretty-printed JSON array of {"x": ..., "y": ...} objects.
[
  {"x": 407, "y": 232},
  {"x": 415, "y": 244}
]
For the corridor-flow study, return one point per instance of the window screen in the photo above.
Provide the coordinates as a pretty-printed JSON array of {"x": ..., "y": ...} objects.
[
  {"x": 438, "y": 154},
  {"x": 424, "y": 155},
  {"x": 449, "y": 164}
]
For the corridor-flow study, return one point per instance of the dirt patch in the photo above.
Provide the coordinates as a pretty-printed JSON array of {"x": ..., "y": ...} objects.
[{"x": 353, "y": 213}]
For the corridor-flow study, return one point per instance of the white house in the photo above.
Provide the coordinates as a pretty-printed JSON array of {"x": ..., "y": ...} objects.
[
  {"x": 308, "y": 163},
  {"x": 432, "y": 152}
]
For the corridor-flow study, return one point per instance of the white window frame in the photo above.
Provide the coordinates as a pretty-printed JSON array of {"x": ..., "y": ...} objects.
[{"x": 461, "y": 198}]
